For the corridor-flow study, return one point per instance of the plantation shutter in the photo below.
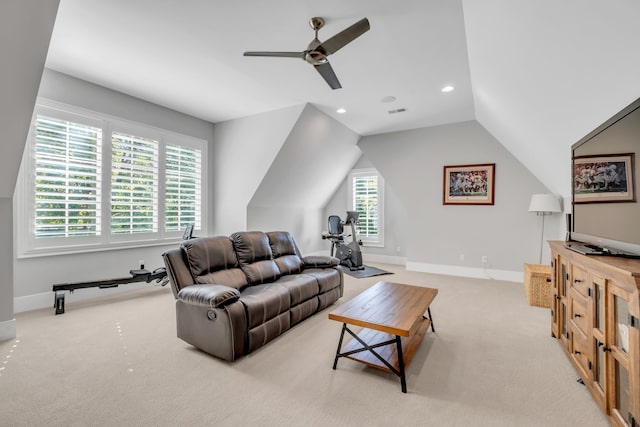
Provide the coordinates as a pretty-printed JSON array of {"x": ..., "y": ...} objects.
[
  {"x": 134, "y": 184},
  {"x": 365, "y": 201},
  {"x": 183, "y": 168},
  {"x": 68, "y": 181}
]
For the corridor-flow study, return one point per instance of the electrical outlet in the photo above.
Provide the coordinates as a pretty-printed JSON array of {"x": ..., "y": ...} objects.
[
  {"x": 461, "y": 257},
  {"x": 484, "y": 259}
]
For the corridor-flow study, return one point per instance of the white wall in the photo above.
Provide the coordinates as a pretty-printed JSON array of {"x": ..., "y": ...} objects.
[
  {"x": 34, "y": 277},
  {"x": 7, "y": 324},
  {"x": 243, "y": 152},
  {"x": 309, "y": 166},
  {"x": 25, "y": 31},
  {"x": 412, "y": 164}
]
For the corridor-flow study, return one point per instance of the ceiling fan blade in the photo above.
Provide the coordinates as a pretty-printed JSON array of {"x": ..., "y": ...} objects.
[
  {"x": 328, "y": 75},
  {"x": 277, "y": 54},
  {"x": 345, "y": 36}
]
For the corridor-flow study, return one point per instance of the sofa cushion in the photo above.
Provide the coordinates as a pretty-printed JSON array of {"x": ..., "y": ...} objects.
[
  {"x": 301, "y": 287},
  {"x": 255, "y": 257},
  {"x": 264, "y": 302},
  {"x": 212, "y": 260},
  {"x": 328, "y": 278},
  {"x": 285, "y": 252}
]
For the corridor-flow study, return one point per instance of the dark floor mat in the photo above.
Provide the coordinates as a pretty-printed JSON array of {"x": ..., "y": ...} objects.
[{"x": 367, "y": 272}]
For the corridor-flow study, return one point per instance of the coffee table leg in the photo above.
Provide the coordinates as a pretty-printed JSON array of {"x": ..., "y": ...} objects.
[
  {"x": 403, "y": 381},
  {"x": 335, "y": 362},
  {"x": 433, "y": 329}
]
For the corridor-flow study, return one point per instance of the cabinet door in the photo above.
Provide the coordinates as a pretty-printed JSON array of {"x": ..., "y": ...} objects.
[
  {"x": 563, "y": 303},
  {"x": 621, "y": 360},
  {"x": 598, "y": 341},
  {"x": 555, "y": 283}
]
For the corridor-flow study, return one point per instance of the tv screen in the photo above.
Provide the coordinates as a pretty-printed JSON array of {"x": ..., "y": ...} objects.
[{"x": 606, "y": 212}]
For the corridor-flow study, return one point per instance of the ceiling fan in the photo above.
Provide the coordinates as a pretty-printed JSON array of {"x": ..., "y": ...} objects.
[{"x": 317, "y": 51}]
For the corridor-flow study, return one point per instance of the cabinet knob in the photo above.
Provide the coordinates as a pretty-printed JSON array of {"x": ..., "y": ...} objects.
[
  {"x": 577, "y": 352},
  {"x": 577, "y": 315},
  {"x": 577, "y": 281}
]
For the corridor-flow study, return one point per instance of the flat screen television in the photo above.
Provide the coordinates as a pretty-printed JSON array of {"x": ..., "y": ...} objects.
[{"x": 605, "y": 209}]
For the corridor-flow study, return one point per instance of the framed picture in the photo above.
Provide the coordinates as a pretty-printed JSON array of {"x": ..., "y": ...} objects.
[
  {"x": 603, "y": 178},
  {"x": 469, "y": 184}
]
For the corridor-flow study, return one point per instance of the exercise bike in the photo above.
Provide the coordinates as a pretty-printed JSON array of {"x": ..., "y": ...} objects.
[{"x": 349, "y": 254}]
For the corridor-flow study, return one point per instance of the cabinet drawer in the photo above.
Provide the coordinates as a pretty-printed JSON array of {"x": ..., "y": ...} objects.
[
  {"x": 580, "y": 353},
  {"x": 580, "y": 280},
  {"x": 578, "y": 312}
]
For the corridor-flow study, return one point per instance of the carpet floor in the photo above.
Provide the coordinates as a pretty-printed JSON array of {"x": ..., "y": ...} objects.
[{"x": 116, "y": 361}]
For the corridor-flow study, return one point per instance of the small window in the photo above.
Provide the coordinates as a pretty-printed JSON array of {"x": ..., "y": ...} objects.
[{"x": 366, "y": 196}]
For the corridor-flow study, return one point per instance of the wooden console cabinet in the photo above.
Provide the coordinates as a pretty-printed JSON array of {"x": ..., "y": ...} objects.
[{"x": 595, "y": 315}]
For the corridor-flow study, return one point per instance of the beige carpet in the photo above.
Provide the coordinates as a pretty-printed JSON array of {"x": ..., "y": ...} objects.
[{"x": 116, "y": 361}]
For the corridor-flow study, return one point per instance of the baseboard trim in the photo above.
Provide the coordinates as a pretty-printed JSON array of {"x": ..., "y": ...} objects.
[
  {"x": 8, "y": 330},
  {"x": 46, "y": 299},
  {"x": 384, "y": 259},
  {"x": 476, "y": 273}
]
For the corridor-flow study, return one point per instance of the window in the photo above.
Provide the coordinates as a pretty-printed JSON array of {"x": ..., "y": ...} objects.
[
  {"x": 366, "y": 195},
  {"x": 93, "y": 182},
  {"x": 134, "y": 184}
]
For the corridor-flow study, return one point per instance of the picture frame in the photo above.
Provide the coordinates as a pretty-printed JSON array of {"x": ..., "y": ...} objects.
[
  {"x": 606, "y": 178},
  {"x": 469, "y": 184}
]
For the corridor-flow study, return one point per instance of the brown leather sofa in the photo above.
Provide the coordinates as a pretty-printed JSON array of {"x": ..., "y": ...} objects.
[{"x": 234, "y": 294}]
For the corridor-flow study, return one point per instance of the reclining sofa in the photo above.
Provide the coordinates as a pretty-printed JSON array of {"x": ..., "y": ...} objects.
[{"x": 234, "y": 294}]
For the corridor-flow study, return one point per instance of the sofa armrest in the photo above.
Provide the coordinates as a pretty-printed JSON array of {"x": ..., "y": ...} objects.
[
  {"x": 214, "y": 296},
  {"x": 320, "y": 261}
]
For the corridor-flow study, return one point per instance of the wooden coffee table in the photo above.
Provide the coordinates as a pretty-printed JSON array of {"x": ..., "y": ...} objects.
[{"x": 393, "y": 317}]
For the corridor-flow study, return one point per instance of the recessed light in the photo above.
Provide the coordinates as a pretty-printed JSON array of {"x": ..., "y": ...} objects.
[
  {"x": 341, "y": 111},
  {"x": 447, "y": 89},
  {"x": 387, "y": 99}
]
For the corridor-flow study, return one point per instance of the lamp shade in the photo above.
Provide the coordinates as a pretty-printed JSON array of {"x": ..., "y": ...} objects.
[{"x": 544, "y": 203}]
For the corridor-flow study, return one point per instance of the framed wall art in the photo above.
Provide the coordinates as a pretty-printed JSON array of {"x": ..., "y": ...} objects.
[
  {"x": 603, "y": 178},
  {"x": 469, "y": 184}
]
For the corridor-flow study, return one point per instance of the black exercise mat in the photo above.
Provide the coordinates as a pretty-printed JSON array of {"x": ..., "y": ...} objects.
[{"x": 367, "y": 272}]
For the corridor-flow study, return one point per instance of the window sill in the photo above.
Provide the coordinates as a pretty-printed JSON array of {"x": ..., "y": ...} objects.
[{"x": 72, "y": 250}]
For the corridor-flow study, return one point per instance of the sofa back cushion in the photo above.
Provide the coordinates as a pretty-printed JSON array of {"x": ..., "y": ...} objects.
[
  {"x": 213, "y": 260},
  {"x": 285, "y": 252},
  {"x": 255, "y": 257}
]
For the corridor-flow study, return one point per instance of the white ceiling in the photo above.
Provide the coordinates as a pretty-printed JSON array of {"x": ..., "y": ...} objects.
[
  {"x": 537, "y": 74},
  {"x": 187, "y": 55}
]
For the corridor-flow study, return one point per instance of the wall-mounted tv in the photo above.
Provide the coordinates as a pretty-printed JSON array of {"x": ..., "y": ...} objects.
[{"x": 606, "y": 212}]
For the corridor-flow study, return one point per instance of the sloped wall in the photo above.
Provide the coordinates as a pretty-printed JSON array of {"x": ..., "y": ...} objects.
[
  {"x": 243, "y": 151},
  {"x": 546, "y": 73},
  {"x": 308, "y": 168},
  {"x": 25, "y": 31}
]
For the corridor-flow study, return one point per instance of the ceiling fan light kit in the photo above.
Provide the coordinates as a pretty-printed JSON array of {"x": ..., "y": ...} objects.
[{"x": 317, "y": 51}]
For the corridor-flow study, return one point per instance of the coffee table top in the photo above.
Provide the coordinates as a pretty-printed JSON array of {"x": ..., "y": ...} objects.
[{"x": 387, "y": 307}]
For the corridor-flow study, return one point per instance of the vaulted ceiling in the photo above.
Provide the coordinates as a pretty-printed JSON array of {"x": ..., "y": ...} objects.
[{"x": 537, "y": 74}]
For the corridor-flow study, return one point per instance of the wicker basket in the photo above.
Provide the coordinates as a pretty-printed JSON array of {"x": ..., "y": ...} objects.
[{"x": 537, "y": 285}]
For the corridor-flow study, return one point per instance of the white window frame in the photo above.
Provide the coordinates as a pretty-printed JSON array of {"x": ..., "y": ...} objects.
[
  {"x": 379, "y": 241},
  {"x": 27, "y": 245}
]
